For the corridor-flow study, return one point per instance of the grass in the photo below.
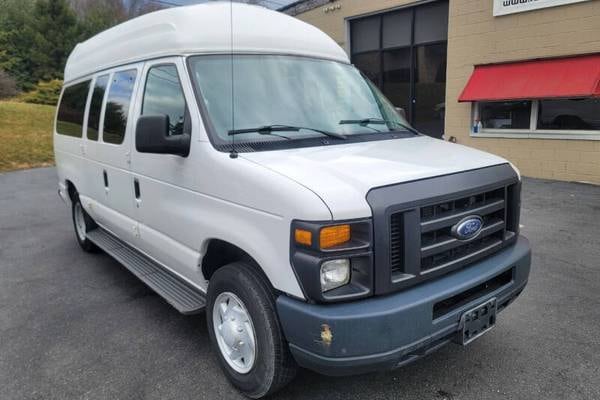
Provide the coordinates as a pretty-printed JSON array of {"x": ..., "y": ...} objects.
[{"x": 25, "y": 135}]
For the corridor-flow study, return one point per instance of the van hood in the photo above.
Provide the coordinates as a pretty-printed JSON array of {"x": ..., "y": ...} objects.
[{"x": 342, "y": 175}]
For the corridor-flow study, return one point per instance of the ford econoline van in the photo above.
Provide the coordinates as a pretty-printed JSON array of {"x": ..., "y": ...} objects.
[{"x": 234, "y": 160}]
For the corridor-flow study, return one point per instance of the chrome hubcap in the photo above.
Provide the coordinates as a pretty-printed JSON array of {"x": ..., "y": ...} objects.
[
  {"x": 234, "y": 332},
  {"x": 79, "y": 222}
]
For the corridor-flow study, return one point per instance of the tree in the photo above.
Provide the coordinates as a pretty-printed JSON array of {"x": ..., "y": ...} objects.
[
  {"x": 36, "y": 39},
  {"x": 96, "y": 16},
  {"x": 54, "y": 34},
  {"x": 135, "y": 8},
  {"x": 14, "y": 46},
  {"x": 37, "y": 36},
  {"x": 8, "y": 86}
]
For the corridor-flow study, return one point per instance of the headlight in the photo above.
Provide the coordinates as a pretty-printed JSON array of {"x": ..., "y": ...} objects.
[
  {"x": 333, "y": 260},
  {"x": 332, "y": 236},
  {"x": 335, "y": 273}
]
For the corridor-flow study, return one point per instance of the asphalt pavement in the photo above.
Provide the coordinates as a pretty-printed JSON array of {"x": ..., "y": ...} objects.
[{"x": 79, "y": 326}]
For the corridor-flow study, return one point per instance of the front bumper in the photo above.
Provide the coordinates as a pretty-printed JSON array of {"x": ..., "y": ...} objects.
[{"x": 390, "y": 331}]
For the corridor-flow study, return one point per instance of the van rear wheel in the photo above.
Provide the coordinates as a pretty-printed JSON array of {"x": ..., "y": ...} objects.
[
  {"x": 245, "y": 333},
  {"x": 82, "y": 223}
]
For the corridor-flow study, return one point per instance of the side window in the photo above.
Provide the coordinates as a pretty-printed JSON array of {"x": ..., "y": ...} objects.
[
  {"x": 569, "y": 114},
  {"x": 163, "y": 95},
  {"x": 96, "y": 106},
  {"x": 505, "y": 114},
  {"x": 117, "y": 106},
  {"x": 69, "y": 120}
]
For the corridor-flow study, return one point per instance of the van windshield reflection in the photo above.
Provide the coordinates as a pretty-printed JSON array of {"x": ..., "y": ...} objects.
[{"x": 309, "y": 95}]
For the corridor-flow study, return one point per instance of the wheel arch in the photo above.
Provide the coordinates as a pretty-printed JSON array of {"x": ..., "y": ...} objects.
[
  {"x": 71, "y": 190},
  {"x": 219, "y": 253}
]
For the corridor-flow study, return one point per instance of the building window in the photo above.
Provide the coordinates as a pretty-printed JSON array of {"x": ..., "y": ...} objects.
[
  {"x": 71, "y": 110},
  {"x": 404, "y": 53},
  {"x": 505, "y": 115},
  {"x": 117, "y": 106},
  {"x": 549, "y": 118},
  {"x": 569, "y": 114}
]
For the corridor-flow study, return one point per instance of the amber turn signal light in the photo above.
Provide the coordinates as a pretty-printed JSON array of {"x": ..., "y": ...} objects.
[
  {"x": 332, "y": 236},
  {"x": 303, "y": 237}
]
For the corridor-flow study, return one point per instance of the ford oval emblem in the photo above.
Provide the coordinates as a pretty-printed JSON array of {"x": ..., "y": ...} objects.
[{"x": 468, "y": 227}]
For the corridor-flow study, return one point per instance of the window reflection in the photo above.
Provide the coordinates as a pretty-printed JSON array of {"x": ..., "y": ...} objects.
[
  {"x": 505, "y": 115},
  {"x": 96, "y": 107},
  {"x": 117, "y": 106},
  {"x": 164, "y": 95},
  {"x": 569, "y": 114},
  {"x": 71, "y": 110},
  {"x": 430, "y": 88}
]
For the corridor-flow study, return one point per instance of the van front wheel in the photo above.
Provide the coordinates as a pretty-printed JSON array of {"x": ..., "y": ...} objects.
[
  {"x": 82, "y": 223},
  {"x": 245, "y": 333}
]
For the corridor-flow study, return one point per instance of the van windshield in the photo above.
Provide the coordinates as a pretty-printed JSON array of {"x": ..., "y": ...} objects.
[{"x": 289, "y": 99}]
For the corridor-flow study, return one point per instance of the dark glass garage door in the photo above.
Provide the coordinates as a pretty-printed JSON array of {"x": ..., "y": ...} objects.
[{"x": 404, "y": 52}]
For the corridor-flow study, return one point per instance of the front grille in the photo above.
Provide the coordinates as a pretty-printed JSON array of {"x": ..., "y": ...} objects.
[
  {"x": 438, "y": 250},
  {"x": 412, "y": 224}
]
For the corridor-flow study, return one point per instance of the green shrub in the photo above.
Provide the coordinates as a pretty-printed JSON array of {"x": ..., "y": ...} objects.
[{"x": 46, "y": 92}]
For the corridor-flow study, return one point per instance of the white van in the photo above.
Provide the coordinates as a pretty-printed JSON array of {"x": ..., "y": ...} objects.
[{"x": 235, "y": 161}]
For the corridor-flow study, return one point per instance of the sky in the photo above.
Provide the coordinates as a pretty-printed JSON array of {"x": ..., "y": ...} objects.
[{"x": 266, "y": 3}]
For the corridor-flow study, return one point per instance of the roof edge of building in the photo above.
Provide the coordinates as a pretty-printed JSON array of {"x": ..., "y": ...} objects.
[{"x": 300, "y": 6}]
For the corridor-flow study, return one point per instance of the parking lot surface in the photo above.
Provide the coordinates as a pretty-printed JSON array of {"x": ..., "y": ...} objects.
[{"x": 80, "y": 326}]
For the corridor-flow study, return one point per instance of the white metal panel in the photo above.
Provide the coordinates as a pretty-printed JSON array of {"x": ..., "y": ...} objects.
[
  {"x": 233, "y": 200},
  {"x": 252, "y": 207},
  {"x": 187, "y": 201},
  {"x": 167, "y": 183},
  {"x": 203, "y": 28},
  {"x": 69, "y": 152},
  {"x": 342, "y": 175}
]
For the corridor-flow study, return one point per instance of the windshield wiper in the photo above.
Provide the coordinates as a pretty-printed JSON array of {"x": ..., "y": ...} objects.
[
  {"x": 379, "y": 121},
  {"x": 263, "y": 130},
  {"x": 269, "y": 129}
]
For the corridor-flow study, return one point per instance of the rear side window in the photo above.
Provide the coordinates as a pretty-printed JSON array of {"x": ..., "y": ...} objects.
[
  {"x": 69, "y": 120},
  {"x": 93, "y": 125},
  {"x": 163, "y": 95},
  {"x": 117, "y": 106}
]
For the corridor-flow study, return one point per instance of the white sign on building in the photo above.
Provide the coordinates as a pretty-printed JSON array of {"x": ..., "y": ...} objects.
[{"x": 503, "y": 7}]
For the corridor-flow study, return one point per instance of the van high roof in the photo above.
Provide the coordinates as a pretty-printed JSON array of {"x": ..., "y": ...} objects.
[{"x": 197, "y": 29}]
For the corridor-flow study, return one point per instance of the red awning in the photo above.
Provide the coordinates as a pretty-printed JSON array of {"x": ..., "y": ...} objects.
[{"x": 539, "y": 79}]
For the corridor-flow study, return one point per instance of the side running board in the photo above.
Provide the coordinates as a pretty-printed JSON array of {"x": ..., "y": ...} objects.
[{"x": 184, "y": 297}]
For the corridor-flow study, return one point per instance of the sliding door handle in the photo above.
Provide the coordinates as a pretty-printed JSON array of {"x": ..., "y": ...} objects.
[
  {"x": 136, "y": 190},
  {"x": 105, "y": 176}
]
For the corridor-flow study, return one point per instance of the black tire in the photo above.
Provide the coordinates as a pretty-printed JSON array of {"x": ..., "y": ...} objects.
[
  {"x": 274, "y": 366},
  {"x": 89, "y": 225}
]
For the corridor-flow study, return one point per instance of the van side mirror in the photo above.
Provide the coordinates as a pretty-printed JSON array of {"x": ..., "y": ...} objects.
[
  {"x": 401, "y": 111},
  {"x": 152, "y": 136}
]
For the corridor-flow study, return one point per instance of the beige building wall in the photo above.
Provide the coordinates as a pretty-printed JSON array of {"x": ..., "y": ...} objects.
[{"x": 475, "y": 37}]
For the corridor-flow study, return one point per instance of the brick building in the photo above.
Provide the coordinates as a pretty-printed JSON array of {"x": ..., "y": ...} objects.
[{"x": 517, "y": 78}]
